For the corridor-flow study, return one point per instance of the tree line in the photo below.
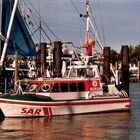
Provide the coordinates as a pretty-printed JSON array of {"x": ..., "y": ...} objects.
[{"x": 134, "y": 55}]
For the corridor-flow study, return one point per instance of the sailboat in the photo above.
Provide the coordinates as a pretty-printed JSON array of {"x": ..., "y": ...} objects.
[{"x": 78, "y": 90}]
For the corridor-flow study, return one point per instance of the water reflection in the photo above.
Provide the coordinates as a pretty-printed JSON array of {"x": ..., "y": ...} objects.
[{"x": 86, "y": 127}]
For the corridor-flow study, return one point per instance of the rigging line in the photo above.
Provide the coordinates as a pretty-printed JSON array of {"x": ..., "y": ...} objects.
[
  {"x": 31, "y": 13},
  {"x": 43, "y": 21},
  {"x": 80, "y": 14},
  {"x": 34, "y": 21},
  {"x": 94, "y": 21},
  {"x": 46, "y": 34},
  {"x": 20, "y": 5},
  {"x": 20, "y": 10},
  {"x": 31, "y": 32},
  {"x": 77, "y": 10},
  {"x": 80, "y": 26},
  {"x": 34, "y": 27},
  {"x": 29, "y": 29},
  {"x": 28, "y": 25},
  {"x": 99, "y": 6},
  {"x": 43, "y": 32},
  {"x": 75, "y": 7},
  {"x": 45, "y": 24}
]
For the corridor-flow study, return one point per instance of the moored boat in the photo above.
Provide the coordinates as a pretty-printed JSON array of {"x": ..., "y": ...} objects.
[
  {"x": 35, "y": 106},
  {"x": 61, "y": 96},
  {"x": 78, "y": 90}
]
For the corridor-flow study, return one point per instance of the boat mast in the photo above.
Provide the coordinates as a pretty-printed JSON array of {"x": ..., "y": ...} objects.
[
  {"x": 0, "y": 14},
  {"x": 89, "y": 25},
  {"x": 87, "y": 22},
  {"x": 89, "y": 43},
  {"x": 8, "y": 32},
  {"x": 0, "y": 22}
]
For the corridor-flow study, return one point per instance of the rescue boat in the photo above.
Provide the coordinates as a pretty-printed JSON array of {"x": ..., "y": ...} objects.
[
  {"x": 63, "y": 96},
  {"x": 78, "y": 90}
]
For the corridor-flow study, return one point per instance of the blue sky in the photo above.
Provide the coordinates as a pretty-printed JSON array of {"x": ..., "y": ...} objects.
[{"x": 118, "y": 21}]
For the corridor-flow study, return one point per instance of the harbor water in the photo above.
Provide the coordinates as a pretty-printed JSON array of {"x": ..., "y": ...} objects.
[{"x": 103, "y": 126}]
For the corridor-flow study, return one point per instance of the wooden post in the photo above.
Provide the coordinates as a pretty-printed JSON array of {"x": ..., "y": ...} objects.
[
  {"x": 139, "y": 71},
  {"x": 106, "y": 65},
  {"x": 16, "y": 70},
  {"x": 125, "y": 68},
  {"x": 5, "y": 85},
  {"x": 41, "y": 59},
  {"x": 57, "y": 61}
]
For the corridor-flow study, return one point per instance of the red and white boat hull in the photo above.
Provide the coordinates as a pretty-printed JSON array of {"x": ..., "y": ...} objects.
[{"x": 17, "y": 108}]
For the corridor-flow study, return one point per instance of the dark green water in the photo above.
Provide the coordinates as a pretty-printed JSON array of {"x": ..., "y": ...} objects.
[{"x": 108, "y": 126}]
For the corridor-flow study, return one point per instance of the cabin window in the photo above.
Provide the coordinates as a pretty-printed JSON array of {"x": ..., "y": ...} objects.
[
  {"x": 72, "y": 73},
  {"x": 81, "y": 86},
  {"x": 64, "y": 87},
  {"x": 73, "y": 87},
  {"x": 32, "y": 88},
  {"x": 90, "y": 72},
  {"x": 56, "y": 88},
  {"x": 45, "y": 88},
  {"x": 81, "y": 72}
]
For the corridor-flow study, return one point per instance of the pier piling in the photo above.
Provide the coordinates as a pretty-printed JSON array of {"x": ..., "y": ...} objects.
[
  {"x": 41, "y": 59},
  {"x": 125, "y": 68},
  {"x": 106, "y": 65},
  {"x": 139, "y": 71},
  {"x": 57, "y": 61},
  {"x": 16, "y": 70}
]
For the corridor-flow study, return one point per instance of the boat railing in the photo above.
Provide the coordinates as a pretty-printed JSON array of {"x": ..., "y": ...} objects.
[{"x": 19, "y": 88}]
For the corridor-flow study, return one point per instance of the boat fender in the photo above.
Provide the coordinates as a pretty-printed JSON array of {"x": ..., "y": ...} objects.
[{"x": 123, "y": 94}]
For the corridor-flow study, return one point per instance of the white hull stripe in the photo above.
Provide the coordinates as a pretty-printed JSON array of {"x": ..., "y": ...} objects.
[{"x": 62, "y": 103}]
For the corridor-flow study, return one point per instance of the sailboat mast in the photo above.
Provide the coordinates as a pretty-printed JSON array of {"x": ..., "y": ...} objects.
[
  {"x": 0, "y": 22},
  {"x": 0, "y": 14},
  {"x": 8, "y": 32}
]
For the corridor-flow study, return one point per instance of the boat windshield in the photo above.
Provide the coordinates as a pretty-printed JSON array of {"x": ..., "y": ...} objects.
[
  {"x": 82, "y": 72},
  {"x": 32, "y": 87},
  {"x": 45, "y": 87}
]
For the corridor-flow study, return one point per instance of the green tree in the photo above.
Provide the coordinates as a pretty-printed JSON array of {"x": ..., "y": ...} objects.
[
  {"x": 134, "y": 54},
  {"x": 115, "y": 56}
]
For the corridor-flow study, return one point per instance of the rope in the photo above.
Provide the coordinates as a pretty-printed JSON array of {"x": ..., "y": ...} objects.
[
  {"x": 77, "y": 10},
  {"x": 37, "y": 15}
]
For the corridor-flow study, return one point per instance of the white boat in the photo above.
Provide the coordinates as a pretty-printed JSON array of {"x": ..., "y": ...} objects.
[
  {"x": 80, "y": 90},
  {"x": 61, "y": 96},
  {"x": 37, "y": 108}
]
